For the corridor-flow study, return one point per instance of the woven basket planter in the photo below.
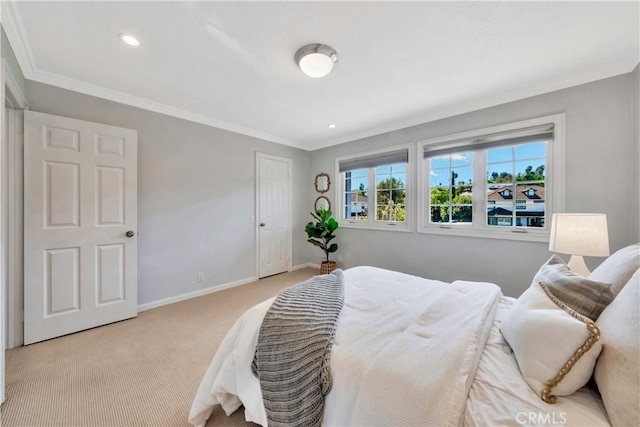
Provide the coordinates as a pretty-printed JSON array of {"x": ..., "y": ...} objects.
[{"x": 327, "y": 267}]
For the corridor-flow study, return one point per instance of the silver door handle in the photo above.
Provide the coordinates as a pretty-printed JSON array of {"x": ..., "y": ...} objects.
[{"x": 129, "y": 233}]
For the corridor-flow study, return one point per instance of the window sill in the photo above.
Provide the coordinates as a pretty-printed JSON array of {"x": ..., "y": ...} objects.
[
  {"x": 404, "y": 228},
  {"x": 526, "y": 235}
]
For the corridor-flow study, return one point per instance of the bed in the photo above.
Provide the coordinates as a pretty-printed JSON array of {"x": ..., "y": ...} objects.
[{"x": 413, "y": 351}]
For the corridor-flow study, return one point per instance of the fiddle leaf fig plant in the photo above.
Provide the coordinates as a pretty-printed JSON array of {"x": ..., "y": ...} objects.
[{"x": 321, "y": 233}]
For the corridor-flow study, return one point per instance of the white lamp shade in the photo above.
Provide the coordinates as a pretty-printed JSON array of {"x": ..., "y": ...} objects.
[
  {"x": 316, "y": 60},
  {"x": 582, "y": 234},
  {"x": 316, "y": 65}
]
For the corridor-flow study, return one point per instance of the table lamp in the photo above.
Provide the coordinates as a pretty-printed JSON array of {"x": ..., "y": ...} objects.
[{"x": 579, "y": 234}]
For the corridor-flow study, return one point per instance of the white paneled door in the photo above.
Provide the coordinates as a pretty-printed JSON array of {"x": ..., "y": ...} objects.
[
  {"x": 274, "y": 214},
  {"x": 80, "y": 225}
]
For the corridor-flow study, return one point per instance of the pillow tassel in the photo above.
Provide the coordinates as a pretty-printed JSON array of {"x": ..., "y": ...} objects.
[{"x": 595, "y": 336}]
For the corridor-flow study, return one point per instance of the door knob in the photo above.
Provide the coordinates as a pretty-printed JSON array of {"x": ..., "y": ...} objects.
[
  {"x": 262, "y": 224},
  {"x": 130, "y": 233}
]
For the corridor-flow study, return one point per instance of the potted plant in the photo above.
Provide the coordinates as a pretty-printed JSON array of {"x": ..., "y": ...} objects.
[{"x": 320, "y": 234}]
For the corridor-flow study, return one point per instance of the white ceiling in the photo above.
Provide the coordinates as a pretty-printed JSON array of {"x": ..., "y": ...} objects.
[{"x": 230, "y": 64}]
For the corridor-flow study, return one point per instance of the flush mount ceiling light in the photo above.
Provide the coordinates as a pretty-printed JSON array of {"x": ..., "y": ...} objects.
[
  {"x": 316, "y": 60},
  {"x": 129, "y": 39}
]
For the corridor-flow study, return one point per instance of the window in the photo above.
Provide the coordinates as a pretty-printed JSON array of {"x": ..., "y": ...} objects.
[
  {"x": 451, "y": 189},
  {"x": 501, "y": 182},
  {"x": 373, "y": 190},
  {"x": 356, "y": 194},
  {"x": 391, "y": 192},
  {"x": 516, "y": 181}
]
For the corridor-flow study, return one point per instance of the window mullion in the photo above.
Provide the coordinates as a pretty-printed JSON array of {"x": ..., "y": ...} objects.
[
  {"x": 373, "y": 191},
  {"x": 480, "y": 188},
  {"x": 550, "y": 187},
  {"x": 514, "y": 189},
  {"x": 341, "y": 201},
  {"x": 424, "y": 186}
]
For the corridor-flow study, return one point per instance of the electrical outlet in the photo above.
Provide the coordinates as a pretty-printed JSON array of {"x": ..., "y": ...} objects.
[{"x": 200, "y": 277}]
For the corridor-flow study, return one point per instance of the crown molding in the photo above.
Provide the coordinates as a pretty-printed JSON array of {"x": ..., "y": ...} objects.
[
  {"x": 12, "y": 24},
  {"x": 13, "y": 88},
  {"x": 157, "y": 107},
  {"x": 470, "y": 106}
]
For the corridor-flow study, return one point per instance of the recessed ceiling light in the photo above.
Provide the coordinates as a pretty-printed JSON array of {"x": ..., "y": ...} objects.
[
  {"x": 332, "y": 126},
  {"x": 129, "y": 39}
]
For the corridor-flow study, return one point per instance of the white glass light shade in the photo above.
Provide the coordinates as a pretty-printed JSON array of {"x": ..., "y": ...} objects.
[
  {"x": 316, "y": 60},
  {"x": 582, "y": 234}
]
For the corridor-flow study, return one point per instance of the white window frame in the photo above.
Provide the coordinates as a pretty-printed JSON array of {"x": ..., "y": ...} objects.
[
  {"x": 371, "y": 223},
  {"x": 554, "y": 181}
]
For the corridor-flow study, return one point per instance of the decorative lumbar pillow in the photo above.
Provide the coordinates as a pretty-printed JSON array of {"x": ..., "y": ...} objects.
[
  {"x": 551, "y": 329},
  {"x": 618, "y": 268},
  {"x": 618, "y": 368}
]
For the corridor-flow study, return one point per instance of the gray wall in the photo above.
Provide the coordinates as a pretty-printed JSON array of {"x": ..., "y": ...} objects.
[
  {"x": 601, "y": 176},
  {"x": 196, "y": 193},
  {"x": 196, "y": 218}
]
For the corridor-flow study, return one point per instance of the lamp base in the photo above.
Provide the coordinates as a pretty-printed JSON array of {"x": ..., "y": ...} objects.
[{"x": 577, "y": 265}]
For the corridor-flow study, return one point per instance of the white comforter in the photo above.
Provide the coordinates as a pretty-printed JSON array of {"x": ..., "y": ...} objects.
[{"x": 405, "y": 353}]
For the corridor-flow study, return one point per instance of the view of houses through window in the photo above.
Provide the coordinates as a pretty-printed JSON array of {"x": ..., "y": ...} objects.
[
  {"x": 356, "y": 205},
  {"x": 388, "y": 198},
  {"x": 498, "y": 182},
  {"x": 515, "y": 188},
  {"x": 515, "y": 185},
  {"x": 451, "y": 188}
]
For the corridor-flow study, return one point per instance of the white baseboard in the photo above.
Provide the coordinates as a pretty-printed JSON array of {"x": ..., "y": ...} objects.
[
  {"x": 211, "y": 289},
  {"x": 194, "y": 294},
  {"x": 301, "y": 266}
]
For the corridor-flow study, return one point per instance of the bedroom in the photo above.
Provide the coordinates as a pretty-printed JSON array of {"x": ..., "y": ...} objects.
[{"x": 189, "y": 223}]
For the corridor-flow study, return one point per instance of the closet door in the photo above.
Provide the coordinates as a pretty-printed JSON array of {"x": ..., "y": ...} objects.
[
  {"x": 274, "y": 213},
  {"x": 80, "y": 221}
]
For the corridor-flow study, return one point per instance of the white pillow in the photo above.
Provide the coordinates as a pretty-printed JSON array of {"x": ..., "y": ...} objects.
[
  {"x": 618, "y": 268},
  {"x": 545, "y": 332},
  {"x": 618, "y": 367}
]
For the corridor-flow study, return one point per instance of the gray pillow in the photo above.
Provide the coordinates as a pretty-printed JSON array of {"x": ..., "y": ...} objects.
[{"x": 587, "y": 297}]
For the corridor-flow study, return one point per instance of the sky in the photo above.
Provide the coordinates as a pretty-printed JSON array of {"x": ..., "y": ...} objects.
[{"x": 512, "y": 159}]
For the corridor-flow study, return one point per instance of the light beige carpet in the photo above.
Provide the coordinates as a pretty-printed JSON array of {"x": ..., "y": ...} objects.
[{"x": 138, "y": 372}]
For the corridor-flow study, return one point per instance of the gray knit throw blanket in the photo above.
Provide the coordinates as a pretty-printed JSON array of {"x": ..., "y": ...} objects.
[{"x": 294, "y": 348}]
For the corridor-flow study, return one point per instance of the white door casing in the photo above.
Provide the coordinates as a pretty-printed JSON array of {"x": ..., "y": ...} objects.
[
  {"x": 16, "y": 102},
  {"x": 10, "y": 209},
  {"x": 3, "y": 234},
  {"x": 274, "y": 214},
  {"x": 14, "y": 291},
  {"x": 80, "y": 202}
]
